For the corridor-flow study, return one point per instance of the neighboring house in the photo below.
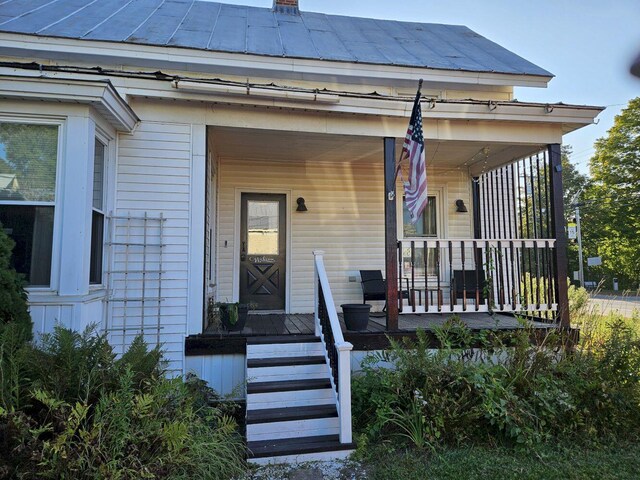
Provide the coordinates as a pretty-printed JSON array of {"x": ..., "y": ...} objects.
[{"x": 169, "y": 154}]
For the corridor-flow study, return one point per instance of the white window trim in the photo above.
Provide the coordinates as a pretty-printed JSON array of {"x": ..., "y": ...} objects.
[{"x": 57, "y": 213}]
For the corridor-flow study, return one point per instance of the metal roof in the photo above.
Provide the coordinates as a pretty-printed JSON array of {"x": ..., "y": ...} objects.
[{"x": 261, "y": 31}]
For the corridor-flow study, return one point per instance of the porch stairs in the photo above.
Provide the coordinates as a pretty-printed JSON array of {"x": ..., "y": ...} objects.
[{"x": 291, "y": 404}]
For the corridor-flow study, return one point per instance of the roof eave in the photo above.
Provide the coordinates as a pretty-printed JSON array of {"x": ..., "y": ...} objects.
[
  {"x": 100, "y": 94},
  {"x": 188, "y": 59}
]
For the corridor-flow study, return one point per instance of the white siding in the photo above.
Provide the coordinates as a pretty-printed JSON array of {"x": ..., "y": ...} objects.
[
  {"x": 345, "y": 218},
  {"x": 153, "y": 177},
  {"x": 73, "y": 313},
  {"x": 224, "y": 373}
]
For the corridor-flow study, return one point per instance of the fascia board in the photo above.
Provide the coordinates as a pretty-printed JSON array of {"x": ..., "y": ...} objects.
[{"x": 464, "y": 110}]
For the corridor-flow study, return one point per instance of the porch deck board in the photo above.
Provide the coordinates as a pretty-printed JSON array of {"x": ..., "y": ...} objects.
[
  {"x": 217, "y": 341},
  {"x": 302, "y": 324}
]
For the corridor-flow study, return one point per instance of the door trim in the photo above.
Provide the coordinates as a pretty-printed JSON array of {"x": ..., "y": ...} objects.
[{"x": 236, "y": 240}]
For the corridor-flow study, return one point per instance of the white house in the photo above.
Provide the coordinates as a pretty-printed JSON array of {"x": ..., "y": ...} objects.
[{"x": 162, "y": 153}]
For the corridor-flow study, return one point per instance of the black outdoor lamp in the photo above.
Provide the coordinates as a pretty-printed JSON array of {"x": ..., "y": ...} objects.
[
  {"x": 301, "y": 206},
  {"x": 460, "y": 206}
]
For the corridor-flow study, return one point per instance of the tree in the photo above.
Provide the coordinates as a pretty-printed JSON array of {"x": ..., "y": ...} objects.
[
  {"x": 32, "y": 162},
  {"x": 13, "y": 298},
  {"x": 574, "y": 184},
  {"x": 612, "y": 200}
]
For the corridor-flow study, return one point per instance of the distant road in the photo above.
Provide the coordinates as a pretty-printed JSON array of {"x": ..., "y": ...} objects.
[{"x": 608, "y": 303}]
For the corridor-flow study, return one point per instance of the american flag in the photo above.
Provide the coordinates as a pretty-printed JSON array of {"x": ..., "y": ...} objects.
[{"x": 415, "y": 191}]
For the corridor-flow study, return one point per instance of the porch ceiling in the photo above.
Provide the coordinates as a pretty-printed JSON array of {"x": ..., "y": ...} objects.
[{"x": 258, "y": 144}]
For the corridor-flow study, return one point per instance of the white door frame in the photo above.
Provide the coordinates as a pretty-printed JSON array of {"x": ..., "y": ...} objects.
[{"x": 236, "y": 243}]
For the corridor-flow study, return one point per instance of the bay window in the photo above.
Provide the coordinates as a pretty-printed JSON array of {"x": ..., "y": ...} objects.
[{"x": 28, "y": 163}]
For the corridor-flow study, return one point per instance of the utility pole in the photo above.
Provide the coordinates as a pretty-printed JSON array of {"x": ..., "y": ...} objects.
[{"x": 579, "y": 234}]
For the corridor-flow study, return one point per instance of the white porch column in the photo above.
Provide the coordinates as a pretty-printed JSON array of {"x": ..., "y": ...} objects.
[
  {"x": 75, "y": 190},
  {"x": 344, "y": 391},
  {"x": 195, "y": 308}
]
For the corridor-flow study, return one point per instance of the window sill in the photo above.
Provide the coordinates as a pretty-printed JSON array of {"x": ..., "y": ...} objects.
[{"x": 37, "y": 297}]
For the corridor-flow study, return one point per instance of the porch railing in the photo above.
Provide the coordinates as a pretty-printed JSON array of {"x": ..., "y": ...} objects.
[
  {"x": 461, "y": 275},
  {"x": 338, "y": 352}
]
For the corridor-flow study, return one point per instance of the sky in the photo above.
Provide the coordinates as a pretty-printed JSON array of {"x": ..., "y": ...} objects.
[{"x": 588, "y": 45}]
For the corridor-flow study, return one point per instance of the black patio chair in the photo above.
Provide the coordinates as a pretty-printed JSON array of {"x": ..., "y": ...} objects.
[
  {"x": 374, "y": 287},
  {"x": 465, "y": 281}
]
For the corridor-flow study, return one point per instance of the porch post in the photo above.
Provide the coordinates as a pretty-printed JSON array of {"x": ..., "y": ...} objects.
[
  {"x": 390, "y": 232},
  {"x": 557, "y": 224}
]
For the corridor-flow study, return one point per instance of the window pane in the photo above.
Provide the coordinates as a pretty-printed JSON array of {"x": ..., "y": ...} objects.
[
  {"x": 262, "y": 227},
  {"x": 97, "y": 237},
  {"x": 32, "y": 230},
  {"x": 426, "y": 224},
  {"x": 419, "y": 265},
  {"x": 98, "y": 175},
  {"x": 28, "y": 156}
]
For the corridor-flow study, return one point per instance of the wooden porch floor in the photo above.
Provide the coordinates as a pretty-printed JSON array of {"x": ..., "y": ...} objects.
[
  {"x": 302, "y": 324},
  {"x": 217, "y": 341}
]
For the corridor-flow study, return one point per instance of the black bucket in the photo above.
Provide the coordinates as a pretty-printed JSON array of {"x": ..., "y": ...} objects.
[{"x": 356, "y": 316}]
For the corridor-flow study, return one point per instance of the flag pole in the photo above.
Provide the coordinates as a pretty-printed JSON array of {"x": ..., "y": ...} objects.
[{"x": 399, "y": 163}]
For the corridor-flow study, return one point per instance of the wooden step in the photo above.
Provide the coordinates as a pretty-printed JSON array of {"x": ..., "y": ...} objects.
[
  {"x": 288, "y": 385},
  {"x": 287, "y": 372},
  {"x": 289, "y": 414},
  {"x": 285, "y": 361},
  {"x": 282, "y": 339},
  {"x": 297, "y": 446},
  {"x": 273, "y": 350},
  {"x": 298, "y": 398}
]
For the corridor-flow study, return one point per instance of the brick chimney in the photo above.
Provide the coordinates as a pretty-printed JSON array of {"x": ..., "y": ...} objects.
[{"x": 286, "y": 6}]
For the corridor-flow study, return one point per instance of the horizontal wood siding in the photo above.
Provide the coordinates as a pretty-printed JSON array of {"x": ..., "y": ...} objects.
[
  {"x": 153, "y": 177},
  {"x": 345, "y": 218}
]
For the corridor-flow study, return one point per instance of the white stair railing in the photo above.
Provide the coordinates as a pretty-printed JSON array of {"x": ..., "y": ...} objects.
[{"x": 338, "y": 352}]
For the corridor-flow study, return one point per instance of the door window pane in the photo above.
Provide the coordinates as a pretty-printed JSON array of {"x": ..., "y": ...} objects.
[
  {"x": 263, "y": 227},
  {"x": 31, "y": 228},
  {"x": 28, "y": 155}
]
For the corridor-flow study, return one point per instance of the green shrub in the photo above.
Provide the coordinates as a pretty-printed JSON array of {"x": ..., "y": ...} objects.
[
  {"x": 13, "y": 298},
  {"x": 509, "y": 393},
  {"x": 81, "y": 413},
  {"x": 578, "y": 300}
]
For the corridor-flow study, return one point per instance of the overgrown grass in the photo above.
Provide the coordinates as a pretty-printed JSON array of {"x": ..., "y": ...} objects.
[{"x": 549, "y": 462}]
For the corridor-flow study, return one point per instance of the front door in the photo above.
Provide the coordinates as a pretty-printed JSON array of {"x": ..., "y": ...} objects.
[{"x": 263, "y": 243}]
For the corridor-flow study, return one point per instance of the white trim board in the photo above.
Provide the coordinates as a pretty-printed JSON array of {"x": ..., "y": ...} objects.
[{"x": 99, "y": 93}]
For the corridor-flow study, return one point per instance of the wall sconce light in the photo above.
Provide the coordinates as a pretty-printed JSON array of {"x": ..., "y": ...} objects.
[
  {"x": 460, "y": 206},
  {"x": 301, "y": 206}
]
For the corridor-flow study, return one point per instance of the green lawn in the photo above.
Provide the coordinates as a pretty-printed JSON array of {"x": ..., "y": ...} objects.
[{"x": 548, "y": 462}]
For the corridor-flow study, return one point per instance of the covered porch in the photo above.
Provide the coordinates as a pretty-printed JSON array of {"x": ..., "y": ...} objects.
[{"x": 487, "y": 243}]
